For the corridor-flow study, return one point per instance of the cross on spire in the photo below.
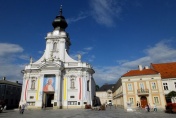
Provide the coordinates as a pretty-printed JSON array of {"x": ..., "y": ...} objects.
[{"x": 61, "y": 10}]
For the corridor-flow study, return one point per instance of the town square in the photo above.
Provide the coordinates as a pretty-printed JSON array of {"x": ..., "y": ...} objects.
[
  {"x": 86, "y": 59},
  {"x": 83, "y": 113}
]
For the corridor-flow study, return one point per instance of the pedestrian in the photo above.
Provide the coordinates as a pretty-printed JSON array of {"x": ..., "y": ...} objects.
[
  {"x": 148, "y": 108},
  {"x": 154, "y": 107},
  {"x": 22, "y": 109},
  {"x": 137, "y": 104}
]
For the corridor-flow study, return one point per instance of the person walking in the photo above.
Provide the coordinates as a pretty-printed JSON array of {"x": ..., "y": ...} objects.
[
  {"x": 154, "y": 107},
  {"x": 148, "y": 108},
  {"x": 22, "y": 109}
]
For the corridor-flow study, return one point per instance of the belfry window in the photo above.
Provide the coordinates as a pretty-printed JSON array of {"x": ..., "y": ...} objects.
[{"x": 55, "y": 46}]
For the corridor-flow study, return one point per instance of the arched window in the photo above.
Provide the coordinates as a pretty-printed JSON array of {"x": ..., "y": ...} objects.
[
  {"x": 32, "y": 84},
  {"x": 55, "y": 46},
  {"x": 72, "y": 82}
]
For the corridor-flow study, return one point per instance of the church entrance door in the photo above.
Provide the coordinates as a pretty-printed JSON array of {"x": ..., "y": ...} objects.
[
  {"x": 49, "y": 97},
  {"x": 143, "y": 101}
]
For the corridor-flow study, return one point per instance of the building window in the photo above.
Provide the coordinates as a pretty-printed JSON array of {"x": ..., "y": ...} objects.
[
  {"x": 72, "y": 102},
  {"x": 165, "y": 86},
  {"x": 32, "y": 84},
  {"x": 72, "y": 96},
  {"x": 141, "y": 85},
  {"x": 55, "y": 46},
  {"x": 153, "y": 85},
  {"x": 175, "y": 84},
  {"x": 130, "y": 87},
  {"x": 72, "y": 82},
  {"x": 31, "y": 103},
  {"x": 131, "y": 101},
  {"x": 31, "y": 97},
  {"x": 88, "y": 85},
  {"x": 156, "y": 100}
]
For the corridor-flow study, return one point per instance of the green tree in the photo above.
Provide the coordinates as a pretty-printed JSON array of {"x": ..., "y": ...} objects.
[
  {"x": 97, "y": 87},
  {"x": 171, "y": 95}
]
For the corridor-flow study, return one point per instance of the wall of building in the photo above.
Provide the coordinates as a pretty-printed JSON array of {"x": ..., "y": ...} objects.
[{"x": 151, "y": 95}]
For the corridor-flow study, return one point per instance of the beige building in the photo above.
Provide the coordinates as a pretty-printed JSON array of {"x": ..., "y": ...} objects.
[
  {"x": 105, "y": 94},
  {"x": 143, "y": 85},
  {"x": 118, "y": 94}
]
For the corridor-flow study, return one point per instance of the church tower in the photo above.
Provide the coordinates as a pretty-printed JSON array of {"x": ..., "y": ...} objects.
[{"x": 56, "y": 80}]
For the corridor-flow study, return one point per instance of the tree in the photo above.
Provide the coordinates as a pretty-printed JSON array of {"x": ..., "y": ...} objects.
[
  {"x": 97, "y": 87},
  {"x": 171, "y": 95}
]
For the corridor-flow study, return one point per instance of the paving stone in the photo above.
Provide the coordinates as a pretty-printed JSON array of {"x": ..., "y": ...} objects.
[{"x": 85, "y": 113}]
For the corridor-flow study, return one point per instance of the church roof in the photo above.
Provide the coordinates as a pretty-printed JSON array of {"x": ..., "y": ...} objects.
[
  {"x": 140, "y": 72},
  {"x": 167, "y": 70}
]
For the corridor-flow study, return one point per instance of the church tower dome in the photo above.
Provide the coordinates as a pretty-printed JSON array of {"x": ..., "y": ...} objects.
[{"x": 60, "y": 22}]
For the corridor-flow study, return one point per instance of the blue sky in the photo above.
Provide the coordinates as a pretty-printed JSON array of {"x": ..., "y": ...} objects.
[{"x": 114, "y": 36}]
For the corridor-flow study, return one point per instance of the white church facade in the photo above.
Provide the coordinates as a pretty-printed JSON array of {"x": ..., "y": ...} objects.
[{"x": 56, "y": 80}]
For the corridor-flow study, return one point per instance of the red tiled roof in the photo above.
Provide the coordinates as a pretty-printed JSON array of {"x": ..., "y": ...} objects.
[
  {"x": 167, "y": 70},
  {"x": 140, "y": 72}
]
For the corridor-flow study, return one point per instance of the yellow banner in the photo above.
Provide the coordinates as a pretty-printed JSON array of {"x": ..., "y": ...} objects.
[{"x": 38, "y": 87}]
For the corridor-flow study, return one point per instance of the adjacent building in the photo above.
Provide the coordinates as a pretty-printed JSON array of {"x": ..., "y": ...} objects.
[
  {"x": 143, "y": 85},
  {"x": 10, "y": 93},
  {"x": 168, "y": 76},
  {"x": 105, "y": 94},
  {"x": 56, "y": 80}
]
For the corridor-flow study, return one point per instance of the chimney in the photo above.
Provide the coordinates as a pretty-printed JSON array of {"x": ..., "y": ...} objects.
[
  {"x": 4, "y": 78},
  {"x": 140, "y": 67},
  {"x": 146, "y": 67}
]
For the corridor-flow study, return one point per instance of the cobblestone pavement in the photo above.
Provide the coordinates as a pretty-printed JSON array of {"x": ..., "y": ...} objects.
[{"x": 84, "y": 113}]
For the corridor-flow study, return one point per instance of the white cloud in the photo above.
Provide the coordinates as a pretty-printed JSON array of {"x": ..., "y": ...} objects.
[
  {"x": 88, "y": 48},
  {"x": 81, "y": 16},
  {"x": 105, "y": 11},
  {"x": 8, "y": 54},
  {"x": 159, "y": 53},
  {"x": 83, "y": 52},
  {"x": 91, "y": 58},
  {"x": 6, "y": 48}
]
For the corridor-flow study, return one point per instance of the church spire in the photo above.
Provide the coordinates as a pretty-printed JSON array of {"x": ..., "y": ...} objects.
[{"x": 60, "y": 22}]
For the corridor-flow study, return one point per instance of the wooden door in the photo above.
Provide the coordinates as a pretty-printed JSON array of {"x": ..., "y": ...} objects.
[{"x": 143, "y": 101}]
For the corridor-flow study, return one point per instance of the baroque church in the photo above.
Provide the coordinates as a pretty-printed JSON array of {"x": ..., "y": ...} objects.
[{"x": 56, "y": 80}]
